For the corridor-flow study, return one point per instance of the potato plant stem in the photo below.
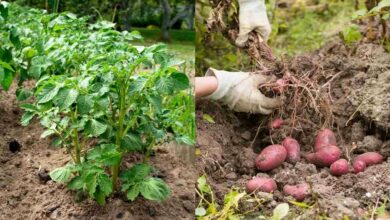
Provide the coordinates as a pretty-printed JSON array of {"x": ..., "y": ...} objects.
[
  {"x": 75, "y": 137},
  {"x": 119, "y": 134}
]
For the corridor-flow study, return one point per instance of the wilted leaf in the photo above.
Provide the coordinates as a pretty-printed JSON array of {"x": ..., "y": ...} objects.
[
  {"x": 200, "y": 211},
  {"x": 208, "y": 118},
  {"x": 280, "y": 211}
]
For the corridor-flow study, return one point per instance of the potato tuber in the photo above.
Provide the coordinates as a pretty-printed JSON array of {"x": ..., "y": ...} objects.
[
  {"x": 262, "y": 184},
  {"x": 366, "y": 159},
  {"x": 324, "y": 138},
  {"x": 277, "y": 123},
  {"x": 359, "y": 166},
  {"x": 325, "y": 156},
  {"x": 298, "y": 192},
  {"x": 293, "y": 150},
  {"x": 271, "y": 157},
  {"x": 340, "y": 167}
]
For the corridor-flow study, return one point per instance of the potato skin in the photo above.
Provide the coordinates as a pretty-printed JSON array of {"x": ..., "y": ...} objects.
[
  {"x": 324, "y": 138},
  {"x": 277, "y": 123},
  {"x": 339, "y": 167},
  {"x": 271, "y": 157},
  {"x": 324, "y": 157},
  {"x": 298, "y": 192},
  {"x": 293, "y": 150},
  {"x": 359, "y": 166},
  {"x": 370, "y": 158},
  {"x": 263, "y": 184}
]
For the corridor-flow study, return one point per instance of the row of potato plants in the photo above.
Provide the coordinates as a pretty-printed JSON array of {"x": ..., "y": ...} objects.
[{"x": 97, "y": 95}]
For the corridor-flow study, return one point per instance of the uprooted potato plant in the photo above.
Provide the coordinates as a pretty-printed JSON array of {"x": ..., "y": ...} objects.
[{"x": 341, "y": 87}]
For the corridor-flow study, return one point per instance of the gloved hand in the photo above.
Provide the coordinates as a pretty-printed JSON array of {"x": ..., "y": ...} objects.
[
  {"x": 239, "y": 90},
  {"x": 252, "y": 16}
]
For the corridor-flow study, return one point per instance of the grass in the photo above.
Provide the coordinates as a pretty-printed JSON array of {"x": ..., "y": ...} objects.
[
  {"x": 298, "y": 32},
  {"x": 154, "y": 34},
  {"x": 182, "y": 42}
]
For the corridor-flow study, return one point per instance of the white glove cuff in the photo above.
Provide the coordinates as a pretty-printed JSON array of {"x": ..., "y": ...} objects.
[{"x": 226, "y": 80}]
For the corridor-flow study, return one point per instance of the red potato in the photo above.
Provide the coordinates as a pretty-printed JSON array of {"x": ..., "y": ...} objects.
[
  {"x": 271, "y": 157},
  {"x": 359, "y": 166},
  {"x": 367, "y": 159},
  {"x": 340, "y": 167},
  {"x": 370, "y": 158},
  {"x": 262, "y": 184},
  {"x": 277, "y": 123},
  {"x": 298, "y": 192},
  {"x": 293, "y": 150},
  {"x": 325, "y": 156},
  {"x": 324, "y": 138}
]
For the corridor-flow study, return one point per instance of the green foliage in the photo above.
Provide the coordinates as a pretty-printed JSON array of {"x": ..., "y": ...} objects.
[
  {"x": 351, "y": 34},
  {"x": 137, "y": 180},
  {"x": 93, "y": 84},
  {"x": 209, "y": 209}
]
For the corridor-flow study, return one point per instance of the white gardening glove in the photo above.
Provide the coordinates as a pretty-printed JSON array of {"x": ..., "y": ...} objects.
[
  {"x": 253, "y": 16},
  {"x": 239, "y": 90}
]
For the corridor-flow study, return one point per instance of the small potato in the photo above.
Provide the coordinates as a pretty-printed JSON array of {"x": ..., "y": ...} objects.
[
  {"x": 324, "y": 138},
  {"x": 359, "y": 166},
  {"x": 370, "y": 158},
  {"x": 277, "y": 123},
  {"x": 293, "y": 150},
  {"x": 298, "y": 192},
  {"x": 271, "y": 157},
  {"x": 340, "y": 167},
  {"x": 324, "y": 157},
  {"x": 262, "y": 184}
]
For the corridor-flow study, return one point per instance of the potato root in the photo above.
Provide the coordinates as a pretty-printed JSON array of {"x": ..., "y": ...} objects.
[
  {"x": 271, "y": 157},
  {"x": 298, "y": 192},
  {"x": 293, "y": 150},
  {"x": 262, "y": 184}
]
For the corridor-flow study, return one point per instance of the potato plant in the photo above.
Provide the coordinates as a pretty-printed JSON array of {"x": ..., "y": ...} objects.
[{"x": 98, "y": 96}]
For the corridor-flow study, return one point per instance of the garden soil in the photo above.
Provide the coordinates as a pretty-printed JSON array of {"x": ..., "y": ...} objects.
[
  {"x": 26, "y": 191},
  {"x": 359, "y": 80}
]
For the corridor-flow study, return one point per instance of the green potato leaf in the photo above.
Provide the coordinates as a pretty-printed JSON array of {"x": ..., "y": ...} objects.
[
  {"x": 95, "y": 128},
  {"x": 154, "y": 189}
]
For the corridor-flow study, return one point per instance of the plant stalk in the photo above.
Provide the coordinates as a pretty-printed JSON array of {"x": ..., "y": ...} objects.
[
  {"x": 75, "y": 138},
  {"x": 119, "y": 135}
]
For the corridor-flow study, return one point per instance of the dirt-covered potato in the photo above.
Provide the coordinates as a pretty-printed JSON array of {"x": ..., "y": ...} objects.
[
  {"x": 298, "y": 192},
  {"x": 271, "y": 157},
  {"x": 293, "y": 150},
  {"x": 263, "y": 184},
  {"x": 324, "y": 138},
  {"x": 359, "y": 166},
  {"x": 325, "y": 156},
  {"x": 370, "y": 158},
  {"x": 339, "y": 167}
]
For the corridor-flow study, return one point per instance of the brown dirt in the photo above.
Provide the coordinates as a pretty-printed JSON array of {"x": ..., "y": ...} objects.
[
  {"x": 360, "y": 105},
  {"x": 26, "y": 192}
]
